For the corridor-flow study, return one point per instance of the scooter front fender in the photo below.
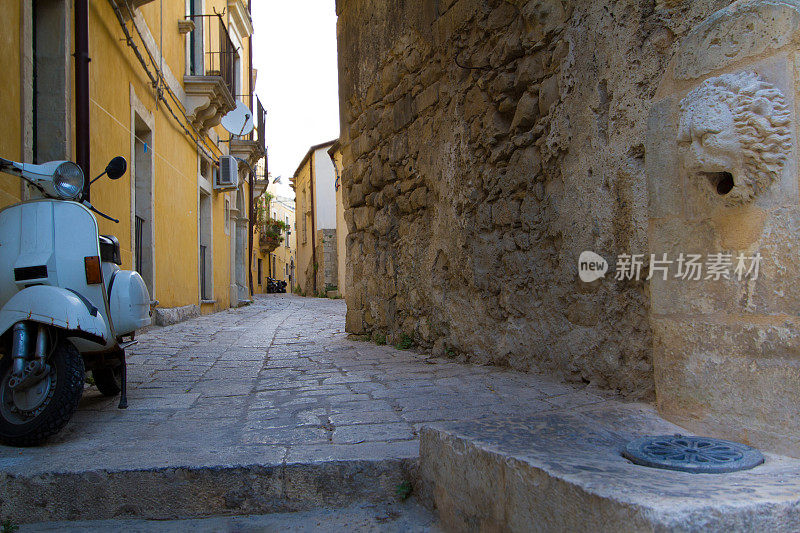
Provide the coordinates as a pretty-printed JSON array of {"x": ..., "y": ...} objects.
[{"x": 57, "y": 307}]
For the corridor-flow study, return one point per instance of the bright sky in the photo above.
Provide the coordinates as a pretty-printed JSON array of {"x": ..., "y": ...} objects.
[{"x": 294, "y": 50}]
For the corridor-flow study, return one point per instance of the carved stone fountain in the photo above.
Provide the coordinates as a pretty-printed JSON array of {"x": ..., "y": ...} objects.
[{"x": 723, "y": 185}]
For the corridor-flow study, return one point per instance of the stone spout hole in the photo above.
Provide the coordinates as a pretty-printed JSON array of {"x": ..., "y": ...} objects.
[{"x": 722, "y": 182}]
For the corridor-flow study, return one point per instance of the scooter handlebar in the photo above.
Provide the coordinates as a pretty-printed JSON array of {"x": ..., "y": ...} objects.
[{"x": 10, "y": 167}]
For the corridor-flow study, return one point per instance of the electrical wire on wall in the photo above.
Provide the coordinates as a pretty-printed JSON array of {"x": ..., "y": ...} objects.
[
  {"x": 162, "y": 83},
  {"x": 159, "y": 84}
]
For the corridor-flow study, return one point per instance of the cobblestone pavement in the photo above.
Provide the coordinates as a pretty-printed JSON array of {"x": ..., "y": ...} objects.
[{"x": 277, "y": 382}]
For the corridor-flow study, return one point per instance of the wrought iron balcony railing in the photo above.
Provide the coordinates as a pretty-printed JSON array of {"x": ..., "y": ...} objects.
[
  {"x": 259, "y": 119},
  {"x": 212, "y": 52}
]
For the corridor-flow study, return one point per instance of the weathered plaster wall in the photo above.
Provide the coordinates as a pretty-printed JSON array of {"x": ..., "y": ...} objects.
[
  {"x": 486, "y": 143},
  {"x": 324, "y": 191},
  {"x": 11, "y": 102}
]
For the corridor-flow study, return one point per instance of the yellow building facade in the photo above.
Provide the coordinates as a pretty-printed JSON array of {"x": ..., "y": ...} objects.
[{"x": 161, "y": 77}]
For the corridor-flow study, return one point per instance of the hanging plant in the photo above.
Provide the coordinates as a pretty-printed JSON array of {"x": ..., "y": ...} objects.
[{"x": 271, "y": 235}]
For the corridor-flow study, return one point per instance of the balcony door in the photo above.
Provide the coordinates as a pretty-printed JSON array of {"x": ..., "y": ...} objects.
[{"x": 196, "y": 44}]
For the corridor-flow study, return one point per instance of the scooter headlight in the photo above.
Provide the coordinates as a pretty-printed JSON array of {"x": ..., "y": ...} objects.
[{"x": 68, "y": 180}]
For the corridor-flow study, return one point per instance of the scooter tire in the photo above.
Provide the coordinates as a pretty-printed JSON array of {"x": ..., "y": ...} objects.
[
  {"x": 67, "y": 363},
  {"x": 108, "y": 380}
]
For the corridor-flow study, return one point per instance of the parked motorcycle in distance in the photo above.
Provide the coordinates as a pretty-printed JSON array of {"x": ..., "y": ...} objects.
[
  {"x": 65, "y": 305},
  {"x": 275, "y": 286}
]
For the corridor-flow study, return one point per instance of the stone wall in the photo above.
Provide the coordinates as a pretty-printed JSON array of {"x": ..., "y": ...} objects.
[
  {"x": 327, "y": 274},
  {"x": 486, "y": 144}
]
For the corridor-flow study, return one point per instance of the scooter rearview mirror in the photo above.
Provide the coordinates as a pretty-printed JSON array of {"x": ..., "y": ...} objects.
[{"x": 116, "y": 167}]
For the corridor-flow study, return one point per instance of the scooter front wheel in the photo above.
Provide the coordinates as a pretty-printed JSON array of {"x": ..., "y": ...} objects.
[{"x": 29, "y": 416}]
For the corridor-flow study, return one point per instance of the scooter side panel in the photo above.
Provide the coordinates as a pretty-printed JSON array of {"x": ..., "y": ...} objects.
[
  {"x": 75, "y": 238},
  {"x": 57, "y": 235},
  {"x": 57, "y": 307},
  {"x": 26, "y": 248}
]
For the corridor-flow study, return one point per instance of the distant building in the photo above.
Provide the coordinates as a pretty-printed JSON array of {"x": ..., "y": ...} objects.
[{"x": 314, "y": 183}]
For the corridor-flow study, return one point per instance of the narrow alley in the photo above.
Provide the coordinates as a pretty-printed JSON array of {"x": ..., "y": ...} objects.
[
  {"x": 270, "y": 418},
  {"x": 272, "y": 384},
  {"x": 278, "y": 381}
]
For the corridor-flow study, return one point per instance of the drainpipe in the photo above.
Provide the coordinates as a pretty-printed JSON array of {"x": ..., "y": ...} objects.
[
  {"x": 82, "y": 149},
  {"x": 313, "y": 222}
]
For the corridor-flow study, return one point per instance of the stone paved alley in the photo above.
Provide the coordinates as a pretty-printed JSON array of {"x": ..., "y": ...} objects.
[
  {"x": 280, "y": 379},
  {"x": 272, "y": 414},
  {"x": 275, "y": 383}
]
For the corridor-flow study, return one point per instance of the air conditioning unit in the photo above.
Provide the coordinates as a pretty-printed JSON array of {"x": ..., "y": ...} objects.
[{"x": 228, "y": 176}]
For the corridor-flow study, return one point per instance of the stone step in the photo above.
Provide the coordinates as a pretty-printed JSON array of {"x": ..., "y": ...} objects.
[
  {"x": 200, "y": 491},
  {"x": 396, "y": 517},
  {"x": 565, "y": 472}
]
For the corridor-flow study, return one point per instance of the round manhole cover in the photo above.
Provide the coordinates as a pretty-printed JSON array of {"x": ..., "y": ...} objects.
[{"x": 699, "y": 455}]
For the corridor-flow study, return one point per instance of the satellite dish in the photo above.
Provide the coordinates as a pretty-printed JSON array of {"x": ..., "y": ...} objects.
[{"x": 239, "y": 121}]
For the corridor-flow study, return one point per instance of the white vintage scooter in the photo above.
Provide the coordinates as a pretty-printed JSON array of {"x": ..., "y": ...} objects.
[{"x": 65, "y": 305}]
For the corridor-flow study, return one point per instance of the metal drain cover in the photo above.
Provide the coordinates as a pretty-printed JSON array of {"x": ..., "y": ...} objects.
[{"x": 698, "y": 455}]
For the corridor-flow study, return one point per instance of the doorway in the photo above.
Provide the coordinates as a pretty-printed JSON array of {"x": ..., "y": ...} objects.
[
  {"x": 52, "y": 87},
  {"x": 205, "y": 232},
  {"x": 143, "y": 227}
]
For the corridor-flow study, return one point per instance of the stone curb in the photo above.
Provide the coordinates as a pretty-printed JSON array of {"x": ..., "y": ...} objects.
[
  {"x": 497, "y": 476},
  {"x": 183, "y": 492},
  {"x": 167, "y": 316}
]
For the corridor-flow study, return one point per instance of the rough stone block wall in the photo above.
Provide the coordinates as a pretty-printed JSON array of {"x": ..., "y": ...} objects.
[
  {"x": 486, "y": 144},
  {"x": 328, "y": 265},
  {"x": 307, "y": 277}
]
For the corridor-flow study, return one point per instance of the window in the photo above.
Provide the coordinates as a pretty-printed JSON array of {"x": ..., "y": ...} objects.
[{"x": 260, "y": 261}]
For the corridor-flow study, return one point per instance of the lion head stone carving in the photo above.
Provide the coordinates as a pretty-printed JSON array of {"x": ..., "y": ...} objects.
[{"x": 734, "y": 132}]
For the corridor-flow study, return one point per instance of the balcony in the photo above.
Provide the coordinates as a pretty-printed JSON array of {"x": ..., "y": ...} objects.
[
  {"x": 138, "y": 3},
  {"x": 211, "y": 82},
  {"x": 129, "y": 8},
  {"x": 271, "y": 234},
  {"x": 240, "y": 17},
  {"x": 253, "y": 146},
  {"x": 261, "y": 184}
]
